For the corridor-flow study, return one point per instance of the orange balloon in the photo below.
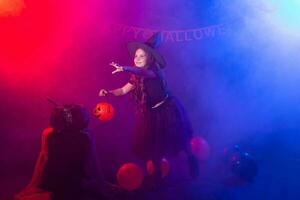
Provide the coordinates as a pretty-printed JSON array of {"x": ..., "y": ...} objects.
[
  {"x": 200, "y": 148},
  {"x": 130, "y": 176},
  {"x": 104, "y": 111}
]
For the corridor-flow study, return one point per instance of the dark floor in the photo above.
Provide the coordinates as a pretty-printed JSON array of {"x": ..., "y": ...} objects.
[
  {"x": 278, "y": 176},
  {"x": 275, "y": 181}
]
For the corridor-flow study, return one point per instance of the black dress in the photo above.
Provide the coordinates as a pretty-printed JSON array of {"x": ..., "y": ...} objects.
[{"x": 163, "y": 128}]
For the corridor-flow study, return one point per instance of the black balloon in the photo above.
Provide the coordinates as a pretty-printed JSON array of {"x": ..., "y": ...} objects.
[
  {"x": 229, "y": 151},
  {"x": 243, "y": 165}
]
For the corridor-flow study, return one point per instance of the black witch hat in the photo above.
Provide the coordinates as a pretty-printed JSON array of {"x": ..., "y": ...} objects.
[{"x": 150, "y": 46}]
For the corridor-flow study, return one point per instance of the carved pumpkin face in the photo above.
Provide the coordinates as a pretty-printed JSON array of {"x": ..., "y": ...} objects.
[{"x": 104, "y": 111}]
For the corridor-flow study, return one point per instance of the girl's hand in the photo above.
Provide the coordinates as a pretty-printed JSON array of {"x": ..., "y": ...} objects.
[
  {"x": 118, "y": 67},
  {"x": 103, "y": 93}
]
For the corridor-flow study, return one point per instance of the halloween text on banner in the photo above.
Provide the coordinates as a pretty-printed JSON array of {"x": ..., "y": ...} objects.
[{"x": 183, "y": 35}]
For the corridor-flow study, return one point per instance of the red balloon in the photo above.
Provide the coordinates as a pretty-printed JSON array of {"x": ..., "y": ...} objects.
[
  {"x": 164, "y": 167},
  {"x": 130, "y": 176},
  {"x": 150, "y": 167},
  {"x": 200, "y": 148},
  {"x": 104, "y": 111}
]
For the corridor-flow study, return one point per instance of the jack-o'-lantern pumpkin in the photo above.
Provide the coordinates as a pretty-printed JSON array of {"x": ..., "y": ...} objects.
[{"x": 104, "y": 111}]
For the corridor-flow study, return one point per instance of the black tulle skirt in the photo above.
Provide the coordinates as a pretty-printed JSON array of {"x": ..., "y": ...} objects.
[{"x": 162, "y": 131}]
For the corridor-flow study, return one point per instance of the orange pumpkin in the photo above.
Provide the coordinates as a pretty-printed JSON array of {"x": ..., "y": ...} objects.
[{"x": 104, "y": 111}]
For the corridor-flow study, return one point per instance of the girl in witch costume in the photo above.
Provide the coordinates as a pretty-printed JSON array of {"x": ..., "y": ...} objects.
[{"x": 163, "y": 128}]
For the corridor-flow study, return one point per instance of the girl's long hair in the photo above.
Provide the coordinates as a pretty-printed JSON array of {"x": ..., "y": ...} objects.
[{"x": 139, "y": 93}]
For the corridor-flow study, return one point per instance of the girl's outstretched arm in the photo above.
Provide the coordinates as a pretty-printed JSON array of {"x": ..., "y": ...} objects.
[
  {"x": 117, "y": 92},
  {"x": 139, "y": 71}
]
